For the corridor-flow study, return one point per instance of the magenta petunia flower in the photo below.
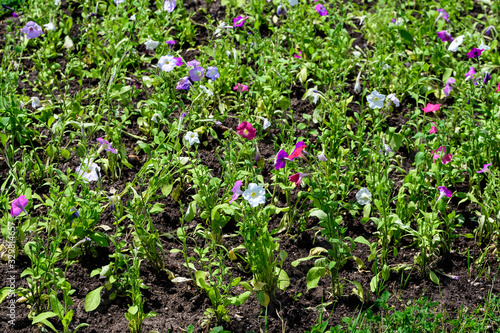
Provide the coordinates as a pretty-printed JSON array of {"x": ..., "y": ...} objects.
[
  {"x": 297, "y": 178},
  {"x": 498, "y": 87},
  {"x": 239, "y": 20},
  {"x": 321, "y": 10},
  {"x": 280, "y": 162},
  {"x": 184, "y": 84},
  {"x": 433, "y": 129},
  {"x": 443, "y": 191},
  {"x": 441, "y": 153},
  {"x": 193, "y": 63},
  {"x": 246, "y": 130},
  {"x": 106, "y": 145},
  {"x": 443, "y": 14},
  {"x": 448, "y": 88},
  {"x": 298, "y": 56},
  {"x": 240, "y": 87},
  {"x": 485, "y": 168},
  {"x": 32, "y": 30},
  {"x": 18, "y": 205},
  {"x": 170, "y": 42},
  {"x": 475, "y": 53},
  {"x": 236, "y": 190},
  {"x": 196, "y": 74},
  {"x": 431, "y": 107},
  {"x": 444, "y": 36},
  {"x": 178, "y": 61}
]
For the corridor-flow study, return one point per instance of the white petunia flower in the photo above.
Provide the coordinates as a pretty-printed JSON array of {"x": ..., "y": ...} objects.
[
  {"x": 117, "y": 2},
  {"x": 362, "y": 19},
  {"x": 266, "y": 123},
  {"x": 392, "y": 99},
  {"x": 151, "y": 44},
  {"x": 206, "y": 90},
  {"x": 50, "y": 26},
  {"x": 35, "y": 102},
  {"x": 456, "y": 43},
  {"x": 191, "y": 138},
  {"x": 357, "y": 85},
  {"x": 167, "y": 63},
  {"x": 363, "y": 196},
  {"x": 375, "y": 100},
  {"x": 255, "y": 195},
  {"x": 293, "y": 2},
  {"x": 132, "y": 18},
  {"x": 89, "y": 171},
  {"x": 156, "y": 117},
  {"x": 483, "y": 47},
  {"x": 221, "y": 26},
  {"x": 57, "y": 2}
]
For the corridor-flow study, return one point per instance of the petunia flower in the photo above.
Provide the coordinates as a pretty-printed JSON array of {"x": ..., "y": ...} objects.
[
  {"x": 441, "y": 153},
  {"x": 246, "y": 130},
  {"x": 433, "y": 129},
  {"x": 106, "y": 145},
  {"x": 266, "y": 123},
  {"x": 255, "y": 195},
  {"x": 431, "y": 107},
  {"x": 236, "y": 190},
  {"x": 169, "y": 5},
  {"x": 298, "y": 56},
  {"x": 362, "y": 19},
  {"x": 470, "y": 73},
  {"x": 293, "y": 2},
  {"x": 322, "y": 157},
  {"x": 444, "y": 36},
  {"x": 297, "y": 178},
  {"x": 133, "y": 18},
  {"x": 488, "y": 30},
  {"x": 484, "y": 47},
  {"x": 212, "y": 73},
  {"x": 448, "y": 87},
  {"x": 456, "y": 43},
  {"x": 280, "y": 161},
  {"x": 184, "y": 84},
  {"x": 239, "y": 20},
  {"x": 443, "y": 14},
  {"x": 387, "y": 149},
  {"x": 170, "y": 42},
  {"x": 193, "y": 63},
  {"x": 363, "y": 196},
  {"x": 321, "y": 10},
  {"x": 207, "y": 91},
  {"x": 35, "y": 102},
  {"x": 485, "y": 168},
  {"x": 487, "y": 78},
  {"x": 50, "y": 26},
  {"x": 196, "y": 74},
  {"x": 298, "y": 151},
  {"x": 151, "y": 45},
  {"x": 444, "y": 192},
  {"x": 89, "y": 170},
  {"x": 474, "y": 53},
  {"x": 167, "y": 63},
  {"x": 240, "y": 87},
  {"x": 375, "y": 100},
  {"x": 32, "y": 30},
  {"x": 18, "y": 206},
  {"x": 281, "y": 10},
  {"x": 392, "y": 99},
  {"x": 498, "y": 87},
  {"x": 156, "y": 117},
  {"x": 192, "y": 138}
]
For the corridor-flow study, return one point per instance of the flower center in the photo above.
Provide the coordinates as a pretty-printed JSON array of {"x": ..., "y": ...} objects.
[
  {"x": 245, "y": 132},
  {"x": 365, "y": 196},
  {"x": 88, "y": 171},
  {"x": 375, "y": 98},
  {"x": 253, "y": 194}
]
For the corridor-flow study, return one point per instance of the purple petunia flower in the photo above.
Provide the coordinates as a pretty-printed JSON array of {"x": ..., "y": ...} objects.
[
  {"x": 485, "y": 168},
  {"x": 444, "y": 36},
  {"x": 475, "y": 53},
  {"x": 193, "y": 63},
  {"x": 443, "y": 14},
  {"x": 443, "y": 191},
  {"x": 236, "y": 190},
  {"x": 196, "y": 74},
  {"x": 32, "y": 30},
  {"x": 178, "y": 61},
  {"x": 239, "y": 20},
  {"x": 213, "y": 73},
  {"x": 470, "y": 73},
  {"x": 170, "y": 42},
  {"x": 280, "y": 161},
  {"x": 321, "y": 10},
  {"x": 488, "y": 30},
  {"x": 184, "y": 84},
  {"x": 281, "y": 10},
  {"x": 487, "y": 78},
  {"x": 448, "y": 87},
  {"x": 106, "y": 145},
  {"x": 18, "y": 205}
]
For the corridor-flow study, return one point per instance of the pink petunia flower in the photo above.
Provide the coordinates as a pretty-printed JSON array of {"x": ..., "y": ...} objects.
[
  {"x": 297, "y": 178},
  {"x": 449, "y": 86},
  {"x": 441, "y": 153},
  {"x": 431, "y": 107},
  {"x": 470, "y": 73},
  {"x": 298, "y": 56},
  {"x": 240, "y": 87},
  {"x": 239, "y": 20},
  {"x": 246, "y": 130},
  {"x": 298, "y": 151},
  {"x": 236, "y": 190},
  {"x": 485, "y": 168},
  {"x": 433, "y": 129},
  {"x": 498, "y": 88},
  {"x": 18, "y": 205},
  {"x": 106, "y": 145},
  {"x": 443, "y": 14}
]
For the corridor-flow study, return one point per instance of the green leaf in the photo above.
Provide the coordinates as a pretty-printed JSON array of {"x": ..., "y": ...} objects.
[
  {"x": 374, "y": 283},
  {"x": 237, "y": 300},
  {"x": 283, "y": 279},
  {"x": 4, "y": 292},
  {"x": 419, "y": 158},
  {"x": 433, "y": 277},
  {"x": 313, "y": 276},
  {"x": 157, "y": 208},
  {"x": 100, "y": 238},
  {"x": 406, "y": 37},
  {"x": 191, "y": 211},
  {"x": 167, "y": 188},
  {"x": 43, "y": 316},
  {"x": 93, "y": 299},
  {"x": 67, "y": 318},
  {"x": 362, "y": 240},
  {"x": 133, "y": 310},
  {"x": 321, "y": 215},
  {"x": 367, "y": 209}
]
